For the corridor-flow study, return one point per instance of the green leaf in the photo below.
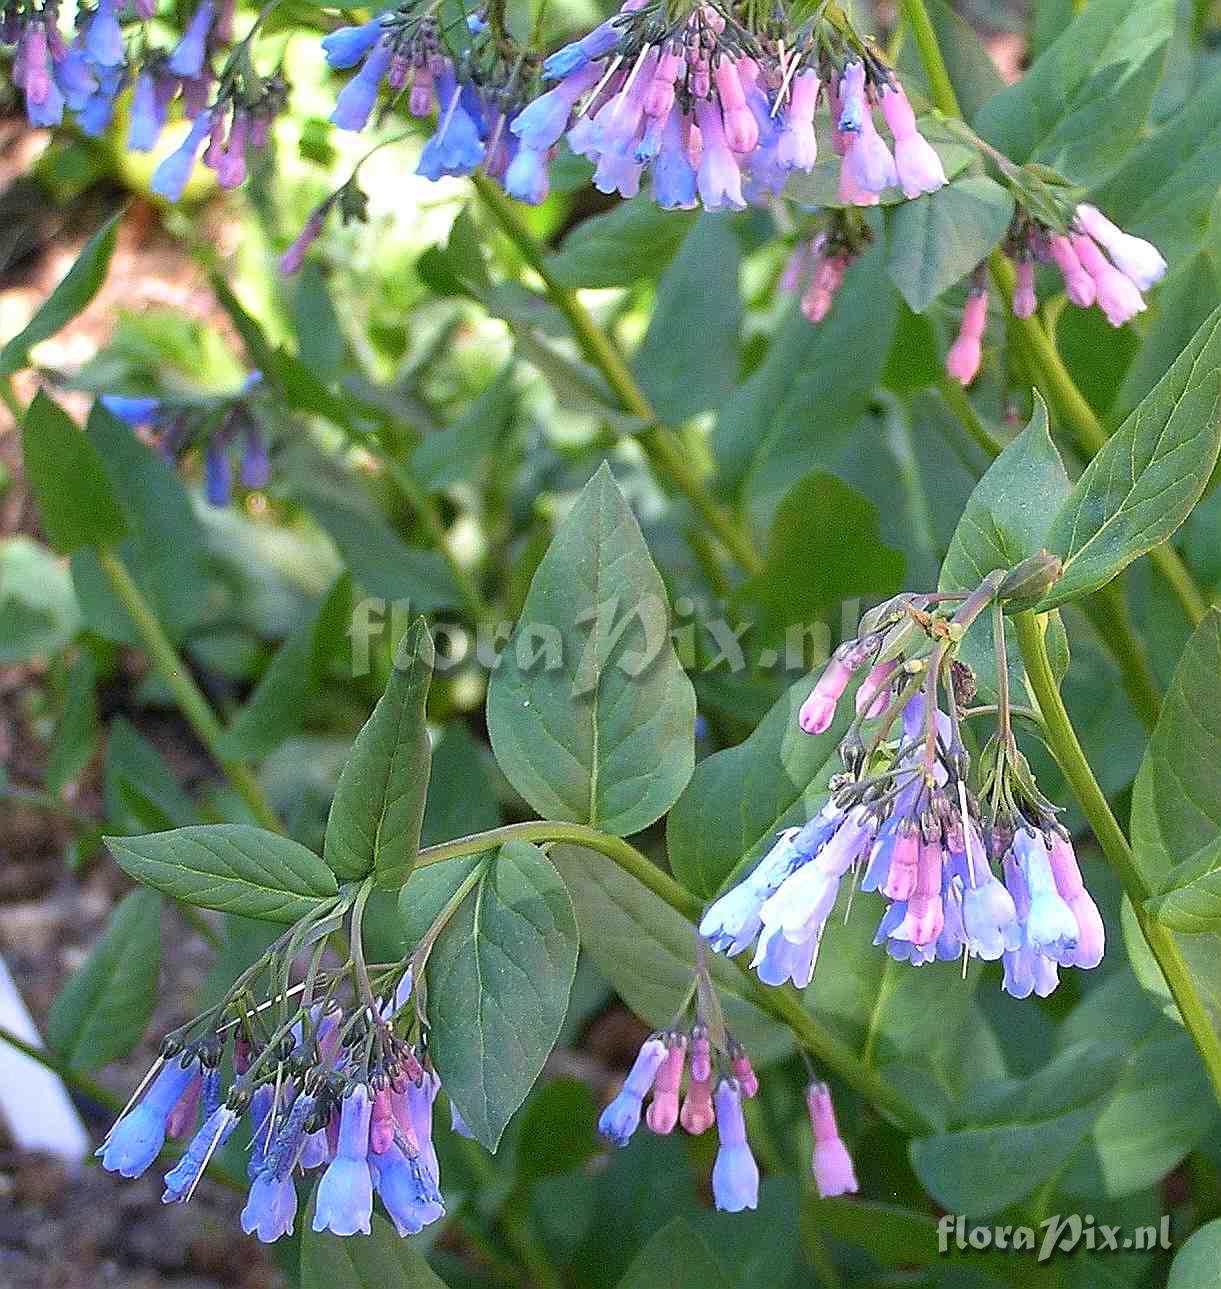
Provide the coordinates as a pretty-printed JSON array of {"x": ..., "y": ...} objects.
[
  {"x": 1197, "y": 1265},
  {"x": 76, "y": 503},
  {"x": 632, "y": 240},
  {"x": 378, "y": 1261},
  {"x": 498, "y": 977},
  {"x": 1191, "y": 898},
  {"x": 106, "y": 1005},
  {"x": 647, "y": 952},
  {"x": 813, "y": 563},
  {"x": 1137, "y": 491},
  {"x": 939, "y": 238},
  {"x": 375, "y": 819},
  {"x": 231, "y": 867},
  {"x": 590, "y": 713},
  {"x": 740, "y": 798},
  {"x": 558, "y": 1125},
  {"x": 688, "y": 358},
  {"x": 76, "y": 731},
  {"x": 281, "y": 699},
  {"x": 1013, "y": 1135},
  {"x": 140, "y": 790},
  {"x": 78, "y": 286},
  {"x": 453, "y": 454},
  {"x": 39, "y": 614},
  {"x": 677, "y": 1258},
  {"x": 320, "y": 344},
  {"x": 1084, "y": 102},
  {"x": 164, "y": 550},
  {"x": 1006, "y": 520}
]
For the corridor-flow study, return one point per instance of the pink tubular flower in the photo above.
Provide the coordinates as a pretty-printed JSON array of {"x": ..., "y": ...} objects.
[
  {"x": 1077, "y": 282},
  {"x": 820, "y": 295},
  {"x": 1135, "y": 258},
  {"x": 917, "y": 164},
  {"x": 743, "y": 1071},
  {"x": 874, "y": 691},
  {"x": 904, "y": 862},
  {"x": 818, "y": 711},
  {"x": 1091, "y": 941},
  {"x": 923, "y": 921},
  {"x": 741, "y": 130},
  {"x": 962, "y": 361},
  {"x": 697, "y": 1114},
  {"x": 868, "y": 159},
  {"x": 1024, "y": 299},
  {"x": 662, "y": 1113},
  {"x": 832, "y": 1164},
  {"x": 294, "y": 257},
  {"x": 1117, "y": 295}
]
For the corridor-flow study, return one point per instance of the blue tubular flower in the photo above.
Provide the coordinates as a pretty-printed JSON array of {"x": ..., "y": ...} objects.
[
  {"x": 136, "y": 1140},
  {"x": 420, "y": 1098},
  {"x": 622, "y": 1117},
  {"x": 76, "y": 82},
  {"x": 541, "y": 123},
  {"x": 255, "y": 467},
  {"x": 147, "y": 118},
  {"x": 172, "y": 175},
  {"x": 218, "y": 480},
  {"x": 104, "y": 37},
  {"x": 345, "y": 1194},
  {"x": 188, "y": 58},
  {"x": 95, "y": 117},
  {"x": 1050, "y": 925},
  {"x": 407, "y": 1190},
  {"x": 216, "y": 1130},
  {"x": 455, "y": 148},
  {"x": 527, "y": 179},
  {"x": 347, "y": 46},
  {"x": 735, "y": 1175},
  {"x": 358, "y": 96},
  {"x": 260, "y": 1126},
  {"x": 674, "y": 177},
  {"x": 271, "y": 1208},
  {"x": 573, "y": 57}
]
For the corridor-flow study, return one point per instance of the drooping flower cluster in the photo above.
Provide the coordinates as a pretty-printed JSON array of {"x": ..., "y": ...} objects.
[
  {"x": 716, "y": 101},
  {"x": 214, "y": 425},
  {"x": 903, "y": 821},
  {"x": 719, "y": 1076},
  {"x": 325, "y": 1088},
  {"x": 816, "y": 267}
]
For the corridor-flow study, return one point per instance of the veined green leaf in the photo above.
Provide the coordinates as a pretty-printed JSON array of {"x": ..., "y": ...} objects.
[
  {"x": 590, "y": 714},
  {"x": 1191, "y": 898},
  {"x": 615, "y": 249},
  {"x": 231, "y": 867}
]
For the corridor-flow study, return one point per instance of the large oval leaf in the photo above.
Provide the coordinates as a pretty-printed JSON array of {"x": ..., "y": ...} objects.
[
  {"x": 1145, "y": 481},
  {"x": 375, "y": 819},
  {"x": 231, "y": 867},
  {"x": 591, "y": 716},
  {"x": 498, "y": 976},
  {"x": 380, "y": 1260}
]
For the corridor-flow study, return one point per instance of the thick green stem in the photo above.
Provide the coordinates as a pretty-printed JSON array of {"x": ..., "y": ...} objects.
[
  {"x": 173, "y": 671},
  {"x": 660, "y": 444},
  {"x": 1065, "y": 747},
  {"x": 784, "y": 1004},
  {"x": 1047, "y": 368}
]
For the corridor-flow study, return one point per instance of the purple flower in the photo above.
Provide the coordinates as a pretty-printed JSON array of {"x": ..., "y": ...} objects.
[
  {"x": 420, "y": 1098},
  {"x": 735, "y": 1175},
  {"x": 357, "y": 97},
  {"x": 853, "y": 109},
  {"x": 621, "y": 1117},
  {"x": 348, "y": 45},
  {"x": 868, "y": 162},
  {"x": 674, "y": 177},
  {"x": 526, "y": 177},
  {"x": 798, "y": 148},
  {"x": 212, "y": 1135},
  {"x": 44, "y": 102},
  {"x": 172, "y": 175},
  {"x": 136, "y": 1140},
  {"x": 218, "y": 481},
  {"x": 455, "y": 148},
  {"x": 540, "y": 124},
  {"x": 104, "y": 36},
  {"x": 255, "y": 467},
  {"x": 147, "y": 114},
  {"x": 76, "y": 81},
  {"x": 832, "y": 1164},
  {"x": 135, "y": 411},
  {"x": 917, "y": 165},
  {"x": 1091, "y": 938},
  {"x": 271, "y": 1208},
  {"x": 718, "y": 178},
  {"x": 345, "y": 1193},
  {"x": 409, "y": 1193},
  {"x": 293, "y": 258},
  {"x": 188, "y": 58},
  {"x": 1136, "y": 259}
]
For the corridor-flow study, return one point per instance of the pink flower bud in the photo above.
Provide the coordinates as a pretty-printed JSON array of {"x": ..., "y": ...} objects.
[
  {"x": 701, "y": 1055},
  {"x": 818, "y": 711},
  {"x": 832, "y": 1165},
  {"x": 697, "y": 1114},
  {"x": 962, "y": 361},
  {"x": 293, "y": 258},
  {"x": 744, "y": 1072},
  {"x": 1024, "y": 299},
  {"x": 662, "y": 1113},
  {"x": 232, "y": 168},
  {"x": 874, "y": 692},
  {"x": 904, "y": 859},
  {"x": 1077, "y": 282},
  {"x": 1117, "y": 295},
  {"x": 381, "y": 1130}
]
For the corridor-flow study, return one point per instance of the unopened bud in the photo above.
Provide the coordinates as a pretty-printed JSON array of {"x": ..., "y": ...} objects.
[{"x": 1032, "y": 578}]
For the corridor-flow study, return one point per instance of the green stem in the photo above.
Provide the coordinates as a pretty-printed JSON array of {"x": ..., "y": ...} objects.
[
  {"x": 173, "y": 671},
  {"x": 1065, "y": 747},
  {"x": 955, "y": 398},
  {"x": 783, "y": 1004},
  {"x": 1047, "y": 368},
  {"x": 660, "y": 444}
]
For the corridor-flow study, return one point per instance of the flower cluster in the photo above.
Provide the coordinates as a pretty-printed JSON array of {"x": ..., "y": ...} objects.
[
  {"x": 904, "y": 822},
  {"x": 229, "y": 114},
  {"x": 214, "y": 425},
  {"x": 1114, "y": 284},
  {"x": 719, "y": 1076},
  {"x": 817, "y": 266},
  {"x": 326, "y": 1089},
  {"x": 718, "y": 107}
]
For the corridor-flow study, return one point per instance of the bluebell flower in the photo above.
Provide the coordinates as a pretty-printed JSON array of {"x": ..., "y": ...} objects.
[
  {"x": 541, "y": 122},
  {"x": 136, "y": 1140},
  {"x": 255, "y": 467},
  {"x": 345, "y": 1194},
  {"x": 621, "y": 1118},
  {"x": 172, "y": 175},
  {"x": 75, "y": 79},
  {"x": 735, "y": 1175},
  {"x": 573, "y": 57},
  {"x": 261, "y": 1104},
  {"x": 455, "y": 148},
  {"x": 527, "y": 179},
  {"x": 420, "y": 1098},
  {"x": 104, "y": 37},
  {"x": 217, "y": 1128},
  {"x": 271, "y": 1207},
  {"x": 989, "y": 918},
  {"x": 674, "y": 177},
  {"x": 188, "y": 57},
  {"x": 1050, "y": 925},
  {"x": 407, "y": 1191},
  {"x": 348, "y": 45},
  {"x": 358, "y": 96},
  {"x": 147, "y": 114},
  {"x": 95, "y": 117},
  {"x": 135, "y": 411}
]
